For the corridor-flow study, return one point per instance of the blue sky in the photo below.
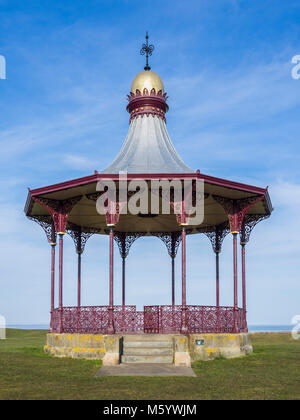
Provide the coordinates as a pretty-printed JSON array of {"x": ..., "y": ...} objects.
[{"x": 234, "y": 113}]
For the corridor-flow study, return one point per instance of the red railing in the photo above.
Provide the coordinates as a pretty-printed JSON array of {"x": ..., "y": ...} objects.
[{"x": 154, "y": 319}]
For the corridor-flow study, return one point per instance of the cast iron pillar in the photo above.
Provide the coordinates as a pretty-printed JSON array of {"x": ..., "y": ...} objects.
[
  {"x": 183, "y": 242},
  {"x": 235, "y": 281},
  {"x": 53, "y": 244},
  {"x": 243, "y": 251},
  {"x": 217, "y": 279},
  {"x": 111, "y": 329},
  {"x": 173, "y": 281},
  {"x": 123, "y": 280},
  {"x": 79, "y": 252},
  {"x": 60, "y": 297}
]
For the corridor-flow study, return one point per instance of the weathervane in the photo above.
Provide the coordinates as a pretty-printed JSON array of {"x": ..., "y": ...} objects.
[{"x": 148, "y": 50}]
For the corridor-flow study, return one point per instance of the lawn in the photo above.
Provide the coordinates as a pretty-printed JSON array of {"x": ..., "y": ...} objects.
[{"x": 272, "y": 372}]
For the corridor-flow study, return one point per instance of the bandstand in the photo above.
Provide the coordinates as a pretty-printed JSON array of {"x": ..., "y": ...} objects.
[{"x": 194, "y": 331}]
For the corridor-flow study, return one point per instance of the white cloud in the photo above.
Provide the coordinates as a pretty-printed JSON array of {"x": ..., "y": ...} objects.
[{"x": 79, "y": 162}]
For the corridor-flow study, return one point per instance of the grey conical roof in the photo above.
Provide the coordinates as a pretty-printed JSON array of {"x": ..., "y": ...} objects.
[{"x": 148, "y": 149}]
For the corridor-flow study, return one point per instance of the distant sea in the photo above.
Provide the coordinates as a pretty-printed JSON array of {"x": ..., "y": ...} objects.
[
  {"x": 270, "y": 328},
  {"x": 252, "y": 328}
]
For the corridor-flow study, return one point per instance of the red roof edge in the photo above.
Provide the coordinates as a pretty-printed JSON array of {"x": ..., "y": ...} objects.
[{"x": 196, "y": 175}]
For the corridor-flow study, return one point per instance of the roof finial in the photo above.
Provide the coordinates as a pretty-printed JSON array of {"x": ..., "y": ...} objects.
[{"x": 148, "y": 50}]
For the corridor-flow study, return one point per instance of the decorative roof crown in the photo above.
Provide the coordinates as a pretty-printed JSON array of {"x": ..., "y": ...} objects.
[
  {"x": 147, "y": 103},
  {"x": 147, "y": 95},
  {"x": 147, "y": 148}
]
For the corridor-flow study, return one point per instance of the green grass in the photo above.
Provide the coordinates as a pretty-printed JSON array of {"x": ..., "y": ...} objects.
[{"x": 272, "y": 372}]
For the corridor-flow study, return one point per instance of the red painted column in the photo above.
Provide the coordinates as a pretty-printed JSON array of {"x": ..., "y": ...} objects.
[
  {"x": 60, "y": 297},
  {"x": 123, "y": 281},
  {"x": 79, "y": 280},
  {"x": 79, "y": 252},
  {"x": 173, "y": 281},
  {"x": 183, "y": 245},
  {"x": 111, "y": 329},
  {"x": 235, "y": 279},
  {"x": 244, "y": 285},
  {"x": 217, "y": 280},
  {"x": 218, "y": 291},
  {"x": 52, "y": 283}
]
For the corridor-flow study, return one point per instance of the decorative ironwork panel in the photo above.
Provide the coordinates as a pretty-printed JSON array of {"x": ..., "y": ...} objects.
[
  {"x": 164, "y": 319},
  {"x": 139, "y": 326},
  {"x": 194, "y": 319},
  {"x": 86, "y": 319},
  {"x": 242, "y": 320},
  {"x": 125, "y": 319},
  {"x": 226, "y": 320},
  {"x": 151, "y": 319},
  {"x": 170, "y": 319},
  {"x": 54, "y": 322},
  {"x": 210, "y": 319}
]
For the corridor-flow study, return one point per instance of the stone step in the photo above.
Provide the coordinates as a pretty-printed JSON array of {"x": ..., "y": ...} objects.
[
  {"x": 132, "y": 351},
  {"x": 148, "y": 344},
  {"x": 147, "y": 337},
  {"x": 146, "y": 359}
]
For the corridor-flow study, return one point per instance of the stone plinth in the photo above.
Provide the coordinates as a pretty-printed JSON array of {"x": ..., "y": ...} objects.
[
  {"x": 85, "y": 346},
  {"x": 179, "y": 349},
  {"x": 210, "y": 346}
]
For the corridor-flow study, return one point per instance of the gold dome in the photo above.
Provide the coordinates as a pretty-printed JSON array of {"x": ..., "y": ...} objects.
[{"x": 147, "y": 79}]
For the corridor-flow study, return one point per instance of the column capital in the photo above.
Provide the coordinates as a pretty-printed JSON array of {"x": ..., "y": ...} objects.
[
  {"x": 236, "y": 209},
  {"x": 59, "y": 210}
]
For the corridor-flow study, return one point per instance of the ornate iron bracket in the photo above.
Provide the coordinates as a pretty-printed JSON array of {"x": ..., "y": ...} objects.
[
  {"x": 47, "y": 225},
  {"x": 249, "y": 222},
  {"x": 58, "y": 209},
  {"x": 171, "y": 240},
  {"x": 216, "y": 235},
  {"x": 124, "y": 241},
  {"x": 237, "y": 209},
  {"x": 80, "y": 235}
]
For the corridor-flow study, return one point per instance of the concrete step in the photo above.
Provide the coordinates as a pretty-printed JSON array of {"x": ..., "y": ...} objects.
[
  {"x": 147, "y": 337},
  {"x": 147, "y": 344},
  {"x": 132, "y": 351},
  {"x": 146, "y": 359}
]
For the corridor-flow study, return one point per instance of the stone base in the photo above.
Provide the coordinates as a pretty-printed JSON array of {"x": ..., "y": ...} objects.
[
  {"x": 187, "y": 348},
  {"x": 84, "y": 346},
  {"x": 210, "y": 346}
]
